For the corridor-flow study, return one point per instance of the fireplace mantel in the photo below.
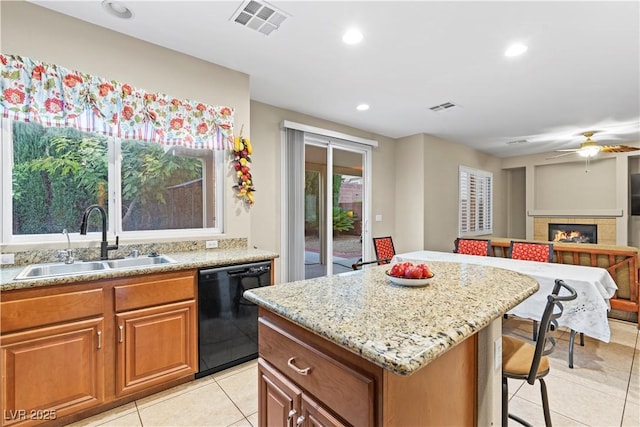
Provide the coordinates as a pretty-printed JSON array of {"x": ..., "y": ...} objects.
[{"x": 582, "y": 213}]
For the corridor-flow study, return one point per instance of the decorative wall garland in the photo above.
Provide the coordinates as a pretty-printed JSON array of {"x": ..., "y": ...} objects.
[{"x": 241, "y": 163}]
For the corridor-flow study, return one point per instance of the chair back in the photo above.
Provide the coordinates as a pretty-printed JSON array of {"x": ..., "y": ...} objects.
[
  {"x": 552, "y": 311},
  {"x": 384, "y": 249},
  {"x": 541, "y": 252},
  {"x": 480, "y": 247}
]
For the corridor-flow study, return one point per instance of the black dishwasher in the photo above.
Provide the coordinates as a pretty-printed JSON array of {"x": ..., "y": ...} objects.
[{"x": 228, "y": 323}]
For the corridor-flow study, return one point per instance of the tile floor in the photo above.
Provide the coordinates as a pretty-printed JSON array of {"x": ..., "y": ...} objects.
[{"x": 602, "y": 390}]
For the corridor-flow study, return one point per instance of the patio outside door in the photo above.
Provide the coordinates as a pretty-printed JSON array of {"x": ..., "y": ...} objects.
[{"x": 335, "y": 215}]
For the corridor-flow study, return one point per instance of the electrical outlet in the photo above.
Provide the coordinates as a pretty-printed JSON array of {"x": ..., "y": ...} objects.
[
  {"x": 378, "y": 218},
  {"x": 7, "y": 258},
  {"x": 497, "y": 354},
  {"x": 211, "y": 244}
]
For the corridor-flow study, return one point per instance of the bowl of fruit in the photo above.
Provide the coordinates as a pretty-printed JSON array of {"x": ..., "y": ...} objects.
[{"x": 409, "y": 274}]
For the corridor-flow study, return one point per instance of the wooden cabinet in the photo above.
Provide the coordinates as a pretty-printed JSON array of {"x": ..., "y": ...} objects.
[
  {"x": 282, "y": 403},
  {"x": 71, "y": 350},
  {"x": 154, "y": 346},
  {"x": 155, "y": 330},
  {"x": 307, "y": 380},
  {"x": 51, "y": 354},
  {"x": 50, "y": 372}
]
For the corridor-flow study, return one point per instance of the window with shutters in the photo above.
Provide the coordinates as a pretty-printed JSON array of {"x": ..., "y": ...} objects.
[{"x": 475, "y": 211}]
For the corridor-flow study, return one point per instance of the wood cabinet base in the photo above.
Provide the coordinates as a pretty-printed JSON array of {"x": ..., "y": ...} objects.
[{"x": 442, "y": 393}]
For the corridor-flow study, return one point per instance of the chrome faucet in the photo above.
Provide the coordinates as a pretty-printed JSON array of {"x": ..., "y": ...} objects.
[
  {"x": 104, "y": 244},
  {"x": 68, "y": 253}
]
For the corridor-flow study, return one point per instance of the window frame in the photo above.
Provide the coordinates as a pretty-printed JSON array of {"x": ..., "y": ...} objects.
[
  {"x": 114, "y": 227},
  {"x": 483, "y": 191}
]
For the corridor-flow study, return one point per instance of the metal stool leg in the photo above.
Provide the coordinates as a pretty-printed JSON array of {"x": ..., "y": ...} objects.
[
  {"x": 545, "y": 403},
  {"x": 505, "y": 402},
  {"x": 572, "y": 340},
  {"x": 535, "y": 330}
]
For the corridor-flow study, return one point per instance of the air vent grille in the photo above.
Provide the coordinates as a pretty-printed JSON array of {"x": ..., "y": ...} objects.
[
  {"x": 259, "y": 16},
  {"x": 443, "y": 107}
]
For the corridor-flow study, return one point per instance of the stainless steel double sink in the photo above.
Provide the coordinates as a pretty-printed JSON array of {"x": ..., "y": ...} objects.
[{"x": 36, "y": 271}]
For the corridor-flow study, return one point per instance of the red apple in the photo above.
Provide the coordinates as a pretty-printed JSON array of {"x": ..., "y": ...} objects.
[{"x": 397, "y": 270}]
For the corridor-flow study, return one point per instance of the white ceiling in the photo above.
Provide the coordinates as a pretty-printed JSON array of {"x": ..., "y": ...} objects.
[{"x": 580, "y": 73}]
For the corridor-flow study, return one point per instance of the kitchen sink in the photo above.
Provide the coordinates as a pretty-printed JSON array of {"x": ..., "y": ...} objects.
[
  {"x": 139, "y": 262},
  {"x": 61, "y": 269}
]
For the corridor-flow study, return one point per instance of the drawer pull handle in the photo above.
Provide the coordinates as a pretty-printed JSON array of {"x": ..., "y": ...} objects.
[
  {"x": 290, "y": 416},
  {"x": 300, "y": 420},
  {"x": 121, "y": 333},
  {"x": 304, "y": 371},
  {"x": 99, "y": 339}
]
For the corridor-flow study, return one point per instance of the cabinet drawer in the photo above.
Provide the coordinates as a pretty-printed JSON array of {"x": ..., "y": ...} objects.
[
  {"x": 154, "y": 290},
  {"x": 337, "y": 386},
  {"x": 50, "y": 309}
]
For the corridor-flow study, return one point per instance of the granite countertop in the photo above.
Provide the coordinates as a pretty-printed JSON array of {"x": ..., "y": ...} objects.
[
  {"x": 398, "y": 328},
  {"x": 184, "y": 261}
]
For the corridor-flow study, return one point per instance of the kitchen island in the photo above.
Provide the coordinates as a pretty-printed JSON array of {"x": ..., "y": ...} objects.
[{"x": 356, "y": 349}]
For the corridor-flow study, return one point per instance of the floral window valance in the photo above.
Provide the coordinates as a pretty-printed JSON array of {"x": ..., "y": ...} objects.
[{"x": 34, "y": 91}]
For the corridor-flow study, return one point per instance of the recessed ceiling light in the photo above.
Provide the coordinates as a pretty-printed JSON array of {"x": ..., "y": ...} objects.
[
  {"x": 515, "y": 49},
  {"x": 352, "y": 36},
  {"x": 117, "y": 9},
  {"x": 362, "y": 107}
]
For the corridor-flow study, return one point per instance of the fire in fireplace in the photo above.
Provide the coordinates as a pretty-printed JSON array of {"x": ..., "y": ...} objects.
[{"x": 573, "y": 233}]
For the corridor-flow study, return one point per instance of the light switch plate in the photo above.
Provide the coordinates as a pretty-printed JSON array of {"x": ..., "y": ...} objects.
[
  {"x": 497, "y": 354},
  {"x": 211, "y": 244},
  {"x": 378, "y": 218}
]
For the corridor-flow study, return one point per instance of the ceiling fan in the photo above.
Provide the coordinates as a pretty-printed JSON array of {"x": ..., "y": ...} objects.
[{"x": 590, "y": 148}]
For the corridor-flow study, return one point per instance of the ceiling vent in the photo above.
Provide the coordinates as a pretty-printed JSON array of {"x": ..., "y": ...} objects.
[
  {"x": 259, "y": 16},
  {"x": 443, "y": 107}
]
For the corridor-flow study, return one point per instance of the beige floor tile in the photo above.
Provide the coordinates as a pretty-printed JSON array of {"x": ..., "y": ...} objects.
[
  {"x": 574, "y": 401},
  {"x": 106, "y": 416},
  {"x": 234, "y": 370},
  {"x": 129, "y": 420},
  {"x": 174, "y": 391},
  {"x": 242, "y": 388},
  {"x": 533, "y": 414},
  {"x": 631, "y": 413},
  {"x": 597, "y": 354},
  {"x": 514, "y": 386},
  {"x": 623, "y": 332},
  {"x": 253, "y": 419},
  {"x": 203, "y": 406},
  {"x": 241, "y": 423}
]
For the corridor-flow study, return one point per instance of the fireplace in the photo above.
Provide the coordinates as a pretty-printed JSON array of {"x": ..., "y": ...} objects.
[{"x": 573, "y": 233}]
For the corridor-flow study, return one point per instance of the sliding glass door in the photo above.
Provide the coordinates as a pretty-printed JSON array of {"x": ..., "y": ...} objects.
[{"x": 335, "y": 214}]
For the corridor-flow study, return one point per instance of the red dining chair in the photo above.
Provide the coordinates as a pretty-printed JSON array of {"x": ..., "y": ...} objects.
[
  {"x": 480, "y": 247},
  {"x": 384, "y": 249},
  {"x": 541, "y": 252}
]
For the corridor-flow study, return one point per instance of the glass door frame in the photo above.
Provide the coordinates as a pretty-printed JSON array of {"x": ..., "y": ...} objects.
[{"x": 365, "y": 151}]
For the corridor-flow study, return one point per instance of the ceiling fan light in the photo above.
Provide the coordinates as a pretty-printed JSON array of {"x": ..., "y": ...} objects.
[{"x": 589, "y": 151}]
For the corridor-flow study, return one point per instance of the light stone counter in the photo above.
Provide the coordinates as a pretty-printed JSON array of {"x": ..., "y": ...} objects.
[
  {"x": 398, "y": 328},
  {"x": 184, "y": 261}
]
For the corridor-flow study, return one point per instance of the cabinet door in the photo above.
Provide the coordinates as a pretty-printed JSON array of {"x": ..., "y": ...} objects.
[
  {"x": 52, "y": 371},
  {"x": 278, "y": 398},
  {"x": 314, "y": 415},
  {"x": 155, "y": 345}
]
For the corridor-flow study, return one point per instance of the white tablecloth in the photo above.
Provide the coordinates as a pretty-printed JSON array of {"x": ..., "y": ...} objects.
[{"x": 586, "y": 314}]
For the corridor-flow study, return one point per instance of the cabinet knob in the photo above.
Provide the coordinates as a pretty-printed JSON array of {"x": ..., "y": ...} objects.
[
  {"x": 304, "y": 371},
  {"x": 300, "y": 420}
]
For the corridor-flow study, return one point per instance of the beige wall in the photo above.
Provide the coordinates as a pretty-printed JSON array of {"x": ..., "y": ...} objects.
[
  {"x": 426, "y": 200},
  {"x": 517, "y": 209},
  {"x": 562, "y": 186},
  {"x": 48, "y": 36}
]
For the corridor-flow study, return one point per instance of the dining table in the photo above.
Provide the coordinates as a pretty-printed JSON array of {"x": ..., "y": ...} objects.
[{"x": 587, "y": 314}]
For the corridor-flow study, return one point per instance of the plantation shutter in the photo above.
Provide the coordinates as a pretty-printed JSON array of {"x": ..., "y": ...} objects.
[{"x": 475, "y": 215}]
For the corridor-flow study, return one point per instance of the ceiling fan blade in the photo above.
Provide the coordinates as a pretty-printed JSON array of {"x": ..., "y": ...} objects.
[
  {"x": 617, "y": 148},
  {"x": 561, "y": 155}
]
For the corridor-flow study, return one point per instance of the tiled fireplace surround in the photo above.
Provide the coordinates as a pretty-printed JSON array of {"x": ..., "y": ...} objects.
[{"x": 606, "y": 227}]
